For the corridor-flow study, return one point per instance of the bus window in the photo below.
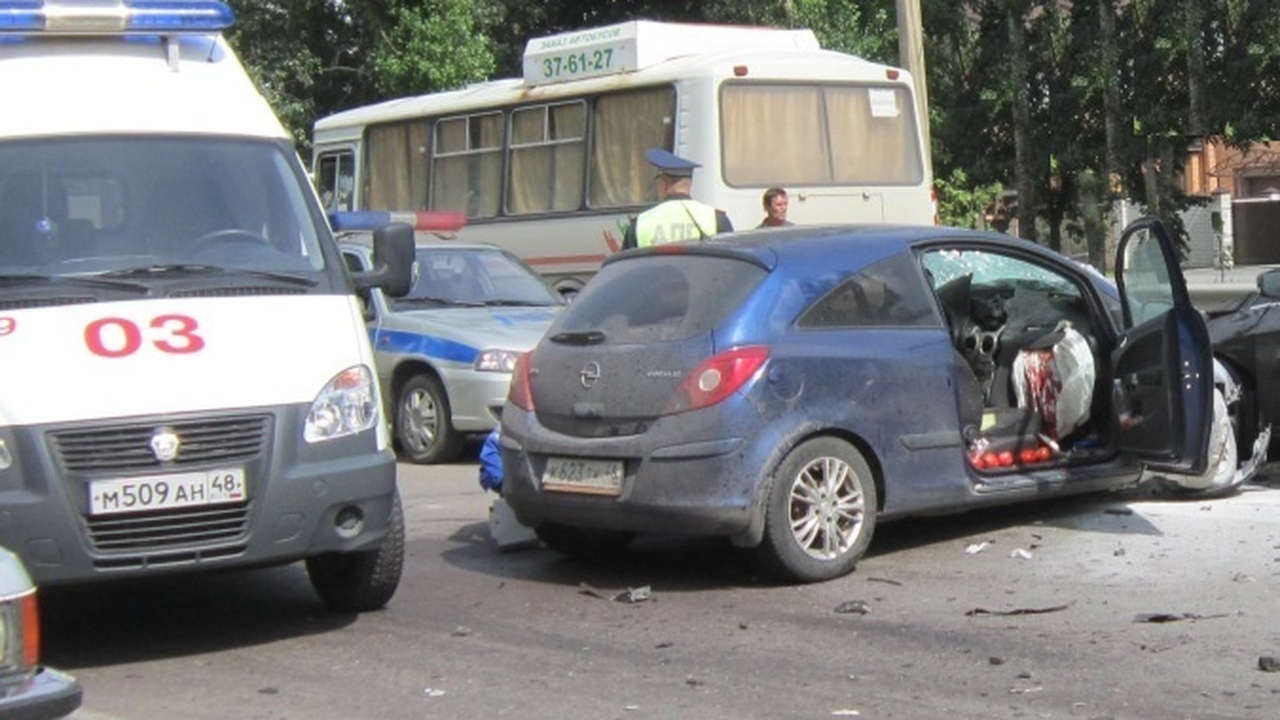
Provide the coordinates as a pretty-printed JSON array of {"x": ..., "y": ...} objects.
[
  {"x": 396, "y": 165},
  {"x": 335, "y": 179},
  {"x": 818, "y": 135},
  {"x": 624, "y": 125},
  {"x": 548, "y": 143},
  {"x": 467, "y": 172}
]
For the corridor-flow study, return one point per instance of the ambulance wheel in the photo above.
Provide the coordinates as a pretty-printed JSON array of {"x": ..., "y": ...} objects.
[
  {"x": 424, "y": 430},
  {"x": 820, "y": 513},
  {"x": 361, "y": 581}
]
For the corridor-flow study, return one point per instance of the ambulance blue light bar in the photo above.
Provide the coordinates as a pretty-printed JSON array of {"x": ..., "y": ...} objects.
[
  {"x": 432, "y": 221},
  {"x": 121, "y": 16}
]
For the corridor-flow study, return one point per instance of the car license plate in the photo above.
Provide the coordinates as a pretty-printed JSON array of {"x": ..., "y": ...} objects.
[
  {"x": 596, "y": 477},
  {"x": 166, "y": 492}
]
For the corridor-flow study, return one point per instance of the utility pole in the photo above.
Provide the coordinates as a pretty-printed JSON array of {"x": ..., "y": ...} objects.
[{"x": 911, "y": 58}]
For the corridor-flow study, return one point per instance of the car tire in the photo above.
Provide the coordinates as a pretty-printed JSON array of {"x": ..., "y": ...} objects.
[
  {"x": 1220, "y": 478},
  {"x": 583, "y": 543},
  {"x": 424, "y": 428},
  {"x": 361, "y": 581},
  {"x": 820, "y": 513}
]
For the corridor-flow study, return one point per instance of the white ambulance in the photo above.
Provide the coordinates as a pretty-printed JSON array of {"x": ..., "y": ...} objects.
[{"x": 186, "y": 383}]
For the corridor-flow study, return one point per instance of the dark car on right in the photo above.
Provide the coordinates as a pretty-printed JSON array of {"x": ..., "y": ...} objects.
[{"x": 1246, "y": 339}]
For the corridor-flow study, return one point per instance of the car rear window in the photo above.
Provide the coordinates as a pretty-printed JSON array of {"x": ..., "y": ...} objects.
[{"x": 659, "y": 298}]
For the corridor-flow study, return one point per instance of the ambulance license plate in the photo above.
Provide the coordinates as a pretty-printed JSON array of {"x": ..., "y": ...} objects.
[{"x": 167, "y": 492}]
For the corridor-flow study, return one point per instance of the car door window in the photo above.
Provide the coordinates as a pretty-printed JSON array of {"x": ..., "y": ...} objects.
[
  {"x": 1148, "y": 291},
  {"x": 886, "y": 294}
]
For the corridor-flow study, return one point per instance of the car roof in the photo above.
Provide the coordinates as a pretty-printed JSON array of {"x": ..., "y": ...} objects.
[{"x": 856, "y": 244}]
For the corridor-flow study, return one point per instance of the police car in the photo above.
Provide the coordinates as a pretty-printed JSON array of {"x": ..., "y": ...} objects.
[{"x": 445, "y": 351}]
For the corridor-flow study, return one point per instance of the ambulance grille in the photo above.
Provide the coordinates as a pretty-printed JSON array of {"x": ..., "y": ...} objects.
[
  {"x": 127, "y": 448},
  {"x": 168, "y": 537}
]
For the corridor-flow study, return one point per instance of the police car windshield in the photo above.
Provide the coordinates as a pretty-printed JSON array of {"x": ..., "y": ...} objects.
[{"x": 85, "y": 205}]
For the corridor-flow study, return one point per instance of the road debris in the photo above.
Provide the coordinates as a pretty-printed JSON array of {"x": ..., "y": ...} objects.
[
  {"x": 1268, "y": 663},
  {"x": 853, "y": 607},
  {"x": 1020, "y": 554},
  {"x": 976, "y": 548},
  {"x": 884, "y": 580},
  {"x": 1018, "y": 611},
  {"x": 1173, "y": 617},
  {"x": 845, "y": 713},
  {"x": 629, "y": 596}
]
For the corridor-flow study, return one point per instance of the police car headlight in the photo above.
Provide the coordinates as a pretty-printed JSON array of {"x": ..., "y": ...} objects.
[
  {"x": 497, "y": 360},
  {"x": 346, "y": 406}
]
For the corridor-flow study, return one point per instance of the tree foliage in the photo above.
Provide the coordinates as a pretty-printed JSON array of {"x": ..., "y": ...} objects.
[{"x": 1072, "y": 103}]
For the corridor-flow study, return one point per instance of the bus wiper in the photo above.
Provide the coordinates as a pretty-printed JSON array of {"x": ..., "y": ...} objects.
[
  {"x": 587, "y": 337},
  {"x": 433, "y": 300},
  {"x": 176, "y": 269},
  {"x": 20, "y": 279}
]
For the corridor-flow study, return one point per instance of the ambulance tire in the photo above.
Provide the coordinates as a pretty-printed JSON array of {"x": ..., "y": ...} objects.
[
  {"x": 424, "y": 424},
  {"x": 361, "y": 581}
]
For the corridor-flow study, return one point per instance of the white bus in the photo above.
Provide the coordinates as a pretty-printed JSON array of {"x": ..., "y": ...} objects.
[{"x": 551, "y": 165}]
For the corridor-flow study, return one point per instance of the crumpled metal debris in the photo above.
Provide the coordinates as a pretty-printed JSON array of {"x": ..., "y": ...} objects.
[
  {"x": 630, "y": 595},
  {"x": 854, "y": 607}
]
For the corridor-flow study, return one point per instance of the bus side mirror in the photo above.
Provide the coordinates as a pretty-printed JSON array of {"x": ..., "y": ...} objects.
[{"x": 393, "y": 258}]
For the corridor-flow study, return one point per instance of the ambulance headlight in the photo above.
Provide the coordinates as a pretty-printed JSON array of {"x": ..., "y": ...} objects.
[
  {"x": 497, "y": 360},
  {"x": 346, "y": 406}
]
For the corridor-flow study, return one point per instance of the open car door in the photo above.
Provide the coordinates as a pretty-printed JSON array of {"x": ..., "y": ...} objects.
[{"x": 1163, "y": 392}]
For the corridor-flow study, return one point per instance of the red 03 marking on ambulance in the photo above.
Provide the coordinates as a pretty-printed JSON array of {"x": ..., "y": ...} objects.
[
  {"x": 114, "y": 337},
  {"x": 7, "y": 325}
]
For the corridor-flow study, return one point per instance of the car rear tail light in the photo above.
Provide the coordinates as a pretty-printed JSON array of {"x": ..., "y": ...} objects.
[
  {"x": 521, "y": 393},
  {"x": 718, "y": 377}
]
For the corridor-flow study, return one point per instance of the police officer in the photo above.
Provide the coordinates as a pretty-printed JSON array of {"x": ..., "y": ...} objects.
[{"x": 676, "y": 216}]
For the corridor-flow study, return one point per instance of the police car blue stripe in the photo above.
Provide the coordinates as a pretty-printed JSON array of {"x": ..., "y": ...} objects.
[{"x": 425, "y": 345}]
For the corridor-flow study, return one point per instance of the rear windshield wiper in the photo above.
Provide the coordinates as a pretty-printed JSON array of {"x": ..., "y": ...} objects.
[
  {"x": 176, "y": 269},
  {"x": 519, "y": 303},
  {"x": 587, "y": 337},
  {"x": 432, "y": 300}
]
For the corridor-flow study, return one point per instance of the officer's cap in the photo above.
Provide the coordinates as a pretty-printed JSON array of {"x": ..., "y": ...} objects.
[{"x": 668, "y": 164}]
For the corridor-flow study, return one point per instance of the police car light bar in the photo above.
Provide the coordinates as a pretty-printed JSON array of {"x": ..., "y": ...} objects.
[
  {"x": 434, "y": 221},
  {"x": 121, "y": 16}
]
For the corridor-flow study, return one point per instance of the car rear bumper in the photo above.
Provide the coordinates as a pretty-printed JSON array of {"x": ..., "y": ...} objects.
[{"x": 708, "y": 487}]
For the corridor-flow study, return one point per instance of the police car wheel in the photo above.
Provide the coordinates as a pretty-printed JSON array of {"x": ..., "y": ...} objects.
[{"x": 424, "y": 430}]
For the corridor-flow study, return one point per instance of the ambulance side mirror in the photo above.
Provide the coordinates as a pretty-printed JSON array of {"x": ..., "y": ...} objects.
[{"x": 393, "y": 258}]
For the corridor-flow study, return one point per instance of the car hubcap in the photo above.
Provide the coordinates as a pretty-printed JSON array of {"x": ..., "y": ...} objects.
[
  {"x": 826, "y": 508},
  {"x": 419, "y": 416}
]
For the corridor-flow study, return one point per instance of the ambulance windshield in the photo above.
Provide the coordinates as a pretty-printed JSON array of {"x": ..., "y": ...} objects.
[{"x": 98, "y": 205}]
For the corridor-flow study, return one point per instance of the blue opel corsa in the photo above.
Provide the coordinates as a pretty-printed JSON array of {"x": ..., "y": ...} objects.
[{"x": 788, "y": 389}]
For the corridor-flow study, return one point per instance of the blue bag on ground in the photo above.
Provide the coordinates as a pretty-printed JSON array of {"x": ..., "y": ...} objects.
[{"x": 491, "y": 463}]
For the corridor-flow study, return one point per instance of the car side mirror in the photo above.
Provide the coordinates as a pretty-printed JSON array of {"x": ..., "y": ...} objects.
[
  {"x": 1269, "y": 283},
  {"x": 393, "y": 258}
]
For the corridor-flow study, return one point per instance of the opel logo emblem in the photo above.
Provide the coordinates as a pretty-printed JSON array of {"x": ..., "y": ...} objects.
[
  {"x": 589, "y": 375},
  {"x": 165, "y": 444}
]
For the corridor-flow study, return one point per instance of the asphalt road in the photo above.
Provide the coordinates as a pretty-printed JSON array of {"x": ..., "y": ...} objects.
[{"x": 1104, "y": 607}]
